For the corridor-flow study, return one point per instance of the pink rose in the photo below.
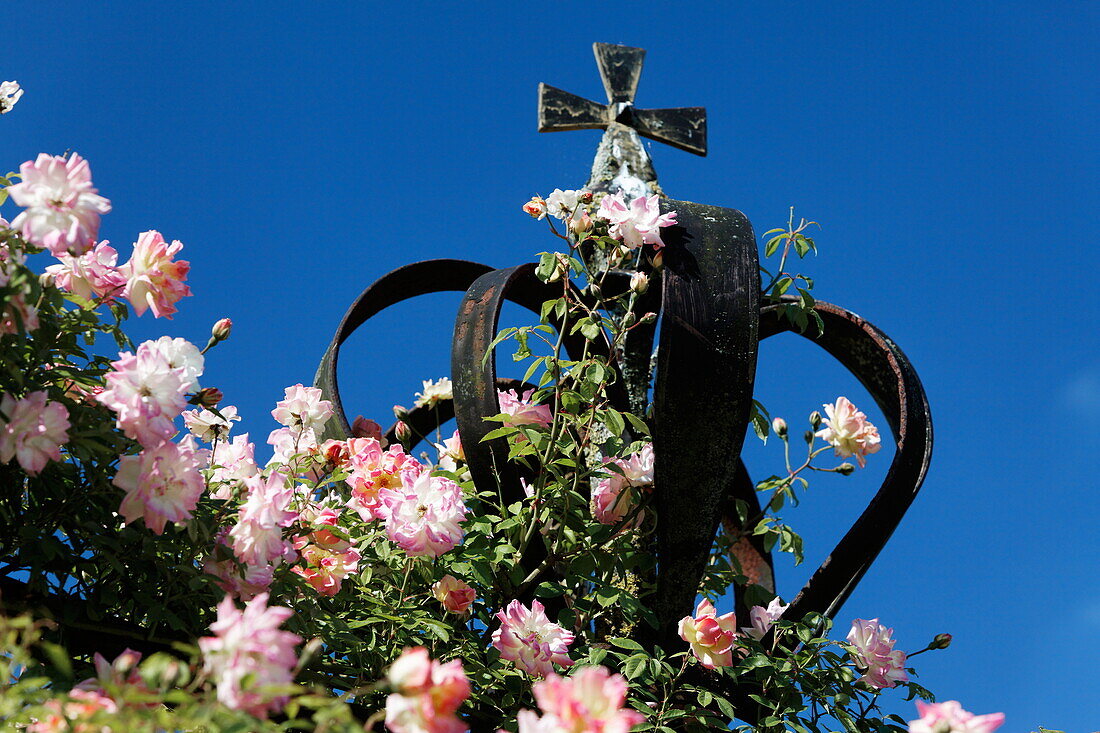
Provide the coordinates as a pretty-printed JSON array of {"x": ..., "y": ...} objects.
[
  {"x": 162, "y": 484},
  {"x": 949, "y": 717},
  {"x": 874, "y": 653},
  {"x": 34, "y": 432},
  {"x": 423, "y": 515},
  {"x": 426, "y": 694},
  {"x": 519, "y": 410},
  {"x": 591, "y": 699},
  {"x": 455, "y": 595},
  {"x": 611, "y": 499},
  {"x": 848, "y": 431},
  {"x": 528, "y": 638},
  {"x": 153, "y": 280},
  {"x": 373, "y": 469},
  {"x": 711, "y": 636},
  {"x": 638, "y": 224},
  {"x": 61, "y": 206}
]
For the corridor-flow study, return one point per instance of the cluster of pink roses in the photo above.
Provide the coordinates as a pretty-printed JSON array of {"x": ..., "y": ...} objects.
[
  {"x": 249, "y": 656},
  {"x": 426, "y": 694},
  {"x": 634, "y": 224},
  {"x": 326, "y": 559},
  {"x": 95, "y": 695}
]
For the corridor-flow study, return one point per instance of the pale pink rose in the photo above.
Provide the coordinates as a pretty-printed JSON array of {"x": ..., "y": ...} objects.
[
  {"x": 295, "y": 449},
  {"x": 146, "y": 393},
  {"x": 638, "y": 224},
  {"x": 530, "y": 640},
  {"x": 162, "y": 483},
  {"x": 949, "y": 717},
  {"x": 519, "y": 410},
  {"x": 302, "y": 409},
  {"x": 258, "y": 534},
  {"x": 455, "y": 595},
  {"x": 588, "y": 701},
  {"x": 848, "y": 431},
  {"x": 711, "y": 636},
  {"x": 232, "y": 462},
  {"x": 34, "y": 432},
  {"x": 435, "y": 392},
  {"x": 764, "y": 618},
  {"x": 10, "y": 92},
  {"x": 248, "y": 653},
  {"x": 243, "y": 582},
  {"x": 207, "y": 426},
  {"x": 180, "y": 354},
  {"x": 371, "y": 470},
  {"x": 452, "y": 458},
  {"x": 536, "y": 207},
  {"x": 611, "y": 499},
  {"x": 153, "y": 280},
  {"x": 426, "y": 694},
  {"x": 61, "y": 206},
  {"x": 423, "y": 515},
  {"x": 874, "y": 653},
  {"x": 91, "y": 275}
]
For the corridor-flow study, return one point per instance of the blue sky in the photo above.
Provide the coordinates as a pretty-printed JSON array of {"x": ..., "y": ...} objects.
[{"x": 948, "y": 150}]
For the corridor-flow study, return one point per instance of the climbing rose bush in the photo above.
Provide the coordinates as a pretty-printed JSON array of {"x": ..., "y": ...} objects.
[{"x": 315, "y": 580}]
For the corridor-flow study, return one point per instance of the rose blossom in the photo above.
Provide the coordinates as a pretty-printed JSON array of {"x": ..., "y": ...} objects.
[
  {"x": 455, "y": 595},
  {"x": 434, "y": 392},
  {"x": 61, "y": 206},
  {"x": 639, "y": 224},
  {"x": 303, "y": 409},
  {"x": 248, "y": 652},
  {"x": 528, "y": 638},
  {"x": 243, "y": 582},
  {"x": 874, "y": 652},
  {"x": 452, "y": 458},
  {"x": 423, "y": 514},
  {"x": 426, "y": 694},
  {"x": 154, "y": 281},
  {"x": 536, "y": 207},
  {"x": 372, "y": 470},
  {"x": 258, "y": 535},
  {"x": 848, "y": 431},
  {"x": 288, "y": 444},
  {"x": 146, "y": 393},
  {"x": 711, "y": 636},
  {"x": 519, "y": 410},
  {"x": 180, "y": 354},
  {"x": 361, "y": 427},
  {"x": 208, "y": 426},
  {"x": 326, "y": 559},
  {"x": 763, "y": 618},
  {"x": 949, "y": 717},
  {"x": 231, "y": 462},
  {"x": 162, "y": 483},
  {"x": 34, "y": 432},
  {"x": 91, "y": 275},
  {"x": 588, "y": 701},
  {"x": 611, "y": 499},
  {"x": 10, "y": 92}
]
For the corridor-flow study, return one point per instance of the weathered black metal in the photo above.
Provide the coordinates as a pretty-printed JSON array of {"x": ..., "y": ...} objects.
[{"x": 620, "y": 67}]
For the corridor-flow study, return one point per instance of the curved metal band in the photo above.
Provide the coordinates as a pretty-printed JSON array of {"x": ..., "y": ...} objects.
[
  {"x": 419, "y": 278},
  {"x": 474, "y": 376},
  {"x": 884, "y": 370},
  {"x": 703, "y": 391}
]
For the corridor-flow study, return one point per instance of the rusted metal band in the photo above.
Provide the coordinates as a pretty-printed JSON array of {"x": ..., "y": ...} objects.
[
  {"x": 703, "y": 392},
  {"x": 419, "y": 278},
  {"x": 873, "y": 358}
]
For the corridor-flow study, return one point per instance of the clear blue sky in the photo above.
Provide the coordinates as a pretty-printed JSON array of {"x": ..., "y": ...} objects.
[{"x": 949, "y": 150}]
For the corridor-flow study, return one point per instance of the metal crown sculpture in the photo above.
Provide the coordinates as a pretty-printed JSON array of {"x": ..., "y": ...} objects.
[{"x": 713, "y": 320}]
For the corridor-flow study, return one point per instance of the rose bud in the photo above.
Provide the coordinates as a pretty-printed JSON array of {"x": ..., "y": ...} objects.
[
  {"x": 364, "y": 428},
  {"x": 585, "y": 197},
  {"x": 400, "y": 412},
  {"x": 815, "y": 419},
  {"x": 335, "y": 452},
  {"x": 779, "y": 427},
  {"x": 639, "y": 282},
  {"x": 845, "y": 469},
  {"x": 221, "y": 329},
  {"x": 581, "y": 223},
  {"x": 536, "y": 207},
  {"x": 942, "y": 641},
  {"x": 207, "y": 397},
  {"x": 402, "y": 431}
]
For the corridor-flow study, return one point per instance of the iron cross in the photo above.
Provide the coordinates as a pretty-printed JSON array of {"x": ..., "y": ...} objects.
[{"x": 620, "y": 67}]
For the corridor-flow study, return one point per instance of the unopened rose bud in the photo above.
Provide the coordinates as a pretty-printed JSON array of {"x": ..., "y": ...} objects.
[
  {"x": 536, "y": 207},
  {"x": 845, "y": 469},
  {"x": 658, "y": 258},
  {"x": 364, "y": 428},
  {"x": 941, "y": 641},
  {"x": 779, "y": 427},
  {"x": 581, "y": 223},
  {"x": 207, "y": 397},
  {"x": 808, "y": 436},
  {"x": 402, "y": 431},
  {"x": 400, "y": 412},
  {"x": 595, "y": 290},
  {"x": 815, "y": 419},
  {"x": 221, "y": 329},
  {"x": 629, "y": 320},
  {"x": 649, "y": 318},
  {"x": 585, "y": 197},
  {"x": 639, "y": 282}
]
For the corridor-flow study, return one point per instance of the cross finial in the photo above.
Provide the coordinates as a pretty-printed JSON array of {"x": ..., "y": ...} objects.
[{"x": 620, "y": 68}]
